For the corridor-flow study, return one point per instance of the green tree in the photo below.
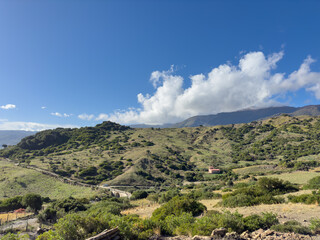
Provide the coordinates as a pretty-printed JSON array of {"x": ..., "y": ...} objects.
[{"x": 32, "y": 200}]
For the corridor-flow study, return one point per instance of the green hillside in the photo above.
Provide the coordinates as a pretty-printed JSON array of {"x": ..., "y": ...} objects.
[
  {"x": 15, "y": 180},
  {"x": 119, "y": 155}
]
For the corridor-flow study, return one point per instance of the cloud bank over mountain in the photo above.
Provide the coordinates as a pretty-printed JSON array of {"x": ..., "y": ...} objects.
[
  {"x": 29, "y": 126},
  {"x": 254, "y": 82}
]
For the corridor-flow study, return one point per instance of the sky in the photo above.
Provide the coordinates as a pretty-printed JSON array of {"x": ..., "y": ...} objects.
[{"x": 66, "y": 63}]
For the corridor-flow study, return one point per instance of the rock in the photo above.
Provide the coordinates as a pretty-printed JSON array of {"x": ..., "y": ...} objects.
[
  {"x": 245, "y": 235},
  {"x": 232, "y": 236},
  {"x": 196, "y": 237},
  {"x": 268, "y": 232},
  {"x": 219, "y": 232}
]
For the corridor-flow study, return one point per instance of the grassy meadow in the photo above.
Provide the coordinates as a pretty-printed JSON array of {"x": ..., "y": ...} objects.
[{"x": 15, "y": 180}]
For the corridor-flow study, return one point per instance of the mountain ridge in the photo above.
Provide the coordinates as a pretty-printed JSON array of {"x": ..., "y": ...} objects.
[{"x": 241, "y": 116}]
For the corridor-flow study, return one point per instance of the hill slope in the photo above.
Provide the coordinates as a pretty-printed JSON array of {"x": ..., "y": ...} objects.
[{"x": 118, "y": 155}]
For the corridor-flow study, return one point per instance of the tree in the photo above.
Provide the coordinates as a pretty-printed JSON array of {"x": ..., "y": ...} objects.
[
  {"x": 32, "y": 200},
  {"x": 4, "y": 145}
]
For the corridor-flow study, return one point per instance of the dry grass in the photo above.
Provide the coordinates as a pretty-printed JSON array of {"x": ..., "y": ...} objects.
[
  {"x": 285, "y": 212},
  {"x": 299, "y": 177},
  {"x": 6, "y": 217},
  {"x": 144, "y": 208}
]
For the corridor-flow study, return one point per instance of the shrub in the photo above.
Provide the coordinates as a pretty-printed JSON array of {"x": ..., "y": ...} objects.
[
  {"x": 168, "y": 195},
  {"x": 262, "y": 192},
  {"x": 305, "y": 198},
  {"x": 176, "y": 206},
  {"x": 264, "y": 221},
  {"x": 12, "y": 236},
  {"x": 313, "y": 183},
  {"x": 139, "y": 194},
  {"x": 48, "y": 215},
  {"x": 11, "y": 204},
  {"x": 74, "y": 226},
  {"x": 315, "y": 225},
  {"x": 33, "y": 201},
  {"x": 291, "y": 226},
  {"x": 70, "y": 204},
  {"x": 178, "y": 225}
]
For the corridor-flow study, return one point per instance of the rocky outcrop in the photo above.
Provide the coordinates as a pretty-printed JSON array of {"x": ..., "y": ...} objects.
[{"x": 222, "y": 234}]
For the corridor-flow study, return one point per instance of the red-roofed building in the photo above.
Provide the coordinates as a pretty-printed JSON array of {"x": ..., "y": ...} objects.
[{"x": 213, "y": 170}]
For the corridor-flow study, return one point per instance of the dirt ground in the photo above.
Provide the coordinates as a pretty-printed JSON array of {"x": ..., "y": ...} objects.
[{"x": 285, "y": 212}]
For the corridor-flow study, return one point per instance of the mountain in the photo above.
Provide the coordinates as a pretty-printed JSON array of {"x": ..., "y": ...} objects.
[
  {"x": 311, "y": 110},
  {"x": 246, "y": 116},
  {"x": 12, "y": 137}
]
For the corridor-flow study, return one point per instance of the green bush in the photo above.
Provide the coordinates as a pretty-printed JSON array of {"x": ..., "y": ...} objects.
[
  {"x": 261, "y": 193},
  {"x": 315, "y": 225},
  {"x": 264, "y": 221},
  {"x": 139, "y": 194},
  {"x": 291, "y": 226},
  {"x": 305, "y": 198},
  {"x": 177, "y": 206},
  {"x": 70, "y": 204},
  {"x": 10, "y": 204},
  {"x": 18, "y": 236},
  {"x": 313, "y": 183},
  {"x": 33, "y": 201}
]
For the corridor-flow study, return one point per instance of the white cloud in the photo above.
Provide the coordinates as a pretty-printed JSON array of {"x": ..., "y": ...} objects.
[
  {"x": 30, "y": 126},
  {"x": 43, "y": 107},
  {"x": 102, "y": 117},
  {"x": 56, "y": 114},
  {"x": 8, "y": 106},
  {"x": 251, "y": 83},
  {"x": 85, "y": 116},
  {"x": 60, "y": 114}
]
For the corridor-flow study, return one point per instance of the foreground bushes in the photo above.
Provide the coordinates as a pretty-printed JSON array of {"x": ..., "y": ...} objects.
[
  {"x": 263, "y": 192},
  {"x": 178, "y": 205},
  {"x": 305, "y": 198},
  {"x": 176, "y": 217},
  {"x": 291, "y": 226}
]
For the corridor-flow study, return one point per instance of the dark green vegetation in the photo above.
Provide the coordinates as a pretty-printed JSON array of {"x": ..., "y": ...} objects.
[
  {"x": 30, "y": 200},
  {"x": 121, "y": 155},
  {"x": 173, "y": 218},
  {"x": 292, "y": 226},
  {"x": 263, "y": 192}
]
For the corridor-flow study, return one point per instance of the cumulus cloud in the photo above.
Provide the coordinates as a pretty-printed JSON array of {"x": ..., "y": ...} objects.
[
  {"x": 102, "y": 117},
  {"x": 43, "y": 107},
  {"x": 8, "y": 106},
  {"x": 29, "y": 126},
  {"x": 85, "y": 116},
  {"x": 60, "y": 114},
  {"x": 251, "y": 83}
]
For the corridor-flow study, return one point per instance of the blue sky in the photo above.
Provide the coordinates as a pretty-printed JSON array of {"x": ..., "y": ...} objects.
[{"x": 77, "y": 63}]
